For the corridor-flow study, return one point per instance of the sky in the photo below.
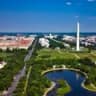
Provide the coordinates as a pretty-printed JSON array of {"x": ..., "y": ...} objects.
[{"x": 47, "y": 15}]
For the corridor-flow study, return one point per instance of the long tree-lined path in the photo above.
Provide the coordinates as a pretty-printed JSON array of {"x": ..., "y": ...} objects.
[
  {"x": 20, "y": 74},
  {"x": 58, "y": 41}
]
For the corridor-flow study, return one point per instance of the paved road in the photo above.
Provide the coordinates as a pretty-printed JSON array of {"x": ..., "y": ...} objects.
[
  {"x": 21, "y": 73},
  {"x": 28, "y": 56}
]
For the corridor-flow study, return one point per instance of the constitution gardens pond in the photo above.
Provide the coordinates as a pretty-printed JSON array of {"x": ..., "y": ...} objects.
[{"x": 74, "y": 79}]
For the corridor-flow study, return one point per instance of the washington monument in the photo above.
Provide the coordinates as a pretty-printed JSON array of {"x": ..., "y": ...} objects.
[{"x": 78, "y": 37}]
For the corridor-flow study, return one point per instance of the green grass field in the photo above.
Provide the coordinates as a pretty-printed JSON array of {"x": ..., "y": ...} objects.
[
  {"x": 5, "y": 54},
  {"x": 53, "y": 54},
  {"x": 62, "y": 54},
  {"x": 89, "y": 86},
  {"x": 63, "y": 89}
]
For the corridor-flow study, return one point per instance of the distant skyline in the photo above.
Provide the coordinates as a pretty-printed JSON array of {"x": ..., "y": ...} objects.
[{"x": 47, "y": 15}]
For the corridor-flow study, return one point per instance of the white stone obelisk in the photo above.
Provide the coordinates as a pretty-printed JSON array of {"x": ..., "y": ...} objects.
[{"x": 78, "y": 37}]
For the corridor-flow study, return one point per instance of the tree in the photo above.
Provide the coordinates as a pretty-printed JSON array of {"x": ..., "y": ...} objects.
[{"x": 1, "y": 59}]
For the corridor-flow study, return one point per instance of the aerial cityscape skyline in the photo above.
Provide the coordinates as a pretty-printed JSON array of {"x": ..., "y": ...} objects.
[
  {"x": 47, "y": 47},
  {"x": 47, "y": 16}
]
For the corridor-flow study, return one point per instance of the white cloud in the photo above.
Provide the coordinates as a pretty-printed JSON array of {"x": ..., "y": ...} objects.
[
  {"x": 76, "y": 16},
  {"x": 68, "y": 3},
  {"x": 91, "y": 0}
]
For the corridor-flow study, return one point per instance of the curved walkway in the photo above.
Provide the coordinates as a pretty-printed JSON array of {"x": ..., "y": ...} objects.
[
  {"x": 83, "y": 85},
  {"x": 26, "y": 83},
  {"x": 53, "y": 84}
]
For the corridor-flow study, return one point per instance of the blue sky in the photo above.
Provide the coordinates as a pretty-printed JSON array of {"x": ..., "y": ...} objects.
[{"x": 47, "y": 15}]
